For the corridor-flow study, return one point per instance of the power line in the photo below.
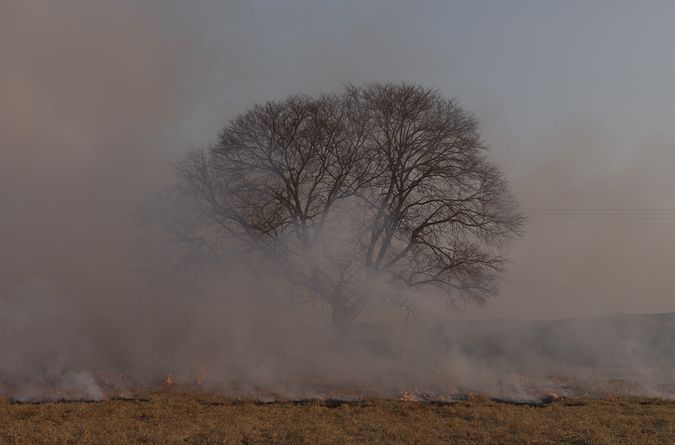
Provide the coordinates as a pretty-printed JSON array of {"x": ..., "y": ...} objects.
[
  {"x": 606, "y": 214},
  {"x": 601, "y": 214},
  {"x": 596, "y": 209},
  {"x": 606, "y": 218}
]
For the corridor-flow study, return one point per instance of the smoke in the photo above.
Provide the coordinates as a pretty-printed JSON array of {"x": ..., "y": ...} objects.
[
  {"x": 574, "y": 267},
  {"x": 90, "y": 92},
  {"x": 99, "y": 98}
]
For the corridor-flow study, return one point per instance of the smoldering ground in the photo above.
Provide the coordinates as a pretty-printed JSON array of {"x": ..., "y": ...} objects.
[
  {"x": 244, "y": 337},
  {"x": 100, "y": 98}
]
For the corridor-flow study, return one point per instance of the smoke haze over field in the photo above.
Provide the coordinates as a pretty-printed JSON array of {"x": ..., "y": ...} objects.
[{"x": 99, "y": 98}]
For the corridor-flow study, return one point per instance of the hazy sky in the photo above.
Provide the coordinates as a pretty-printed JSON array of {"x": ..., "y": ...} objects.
[{"x": 576, "y": 98}]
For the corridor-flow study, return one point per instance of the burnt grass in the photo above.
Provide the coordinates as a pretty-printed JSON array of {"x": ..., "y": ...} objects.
[{"x": 187, "y": 417}]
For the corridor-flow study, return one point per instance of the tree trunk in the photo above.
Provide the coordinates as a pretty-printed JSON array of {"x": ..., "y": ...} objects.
[{"x": 342, "y": 317}]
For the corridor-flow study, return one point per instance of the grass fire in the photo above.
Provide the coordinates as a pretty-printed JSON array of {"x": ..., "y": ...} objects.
[{"x": 336, "y": 222}]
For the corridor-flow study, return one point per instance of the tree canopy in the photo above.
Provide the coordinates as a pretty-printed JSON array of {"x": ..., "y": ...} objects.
[{"x": 379, "y": 185}]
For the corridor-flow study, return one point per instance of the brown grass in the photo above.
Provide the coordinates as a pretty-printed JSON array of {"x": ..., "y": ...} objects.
[{"x": 174, "y": 417}]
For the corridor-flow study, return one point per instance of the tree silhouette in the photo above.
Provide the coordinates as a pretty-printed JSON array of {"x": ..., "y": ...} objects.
[{"x": 380, "y": 185}]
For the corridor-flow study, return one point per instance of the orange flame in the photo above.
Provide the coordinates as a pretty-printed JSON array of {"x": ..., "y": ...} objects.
[{"x": 200, "y": 374}]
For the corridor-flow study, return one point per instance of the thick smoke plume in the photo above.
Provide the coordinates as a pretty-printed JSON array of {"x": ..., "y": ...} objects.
[{"x": 99, "y": 98}]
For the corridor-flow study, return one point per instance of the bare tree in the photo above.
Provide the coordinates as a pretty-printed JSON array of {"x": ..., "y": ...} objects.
[{"x": 381, "y": 184}]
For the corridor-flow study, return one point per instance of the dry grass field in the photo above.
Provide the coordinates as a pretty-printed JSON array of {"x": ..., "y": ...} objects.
[{"x": 187, "y": 417}]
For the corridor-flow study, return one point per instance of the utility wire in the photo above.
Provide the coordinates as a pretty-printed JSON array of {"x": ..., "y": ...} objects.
[
  {"x": 639, "y": 218},
  {"x": 597, "y": 209},
  {"x": 601, "y": 214},
  {"x": 643, "y": 214}
]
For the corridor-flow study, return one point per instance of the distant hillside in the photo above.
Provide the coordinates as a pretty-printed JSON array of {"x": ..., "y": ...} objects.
[
  {"x": 613, "y": 341},
  {"x": 621, "y": 341}
]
